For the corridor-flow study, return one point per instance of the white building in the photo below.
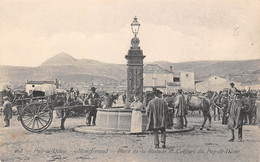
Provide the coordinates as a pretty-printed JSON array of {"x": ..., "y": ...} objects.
[
  {"x": 187, "y": 81},
  {"x": 48, "y": 87},
  {"x": 156, "y": 77},
  {"x": 215, "y": 83},
  {"x": 167, "y": 81}
]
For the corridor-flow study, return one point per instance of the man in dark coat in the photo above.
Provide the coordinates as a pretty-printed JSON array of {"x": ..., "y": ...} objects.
[
  {"x": 235, "y": 115},
  {"x": 7, "y": 111},
  {"x": 93, "y": 99},
  {"x": 157, "y": 111},
  {"x": 181, "y": 110}
]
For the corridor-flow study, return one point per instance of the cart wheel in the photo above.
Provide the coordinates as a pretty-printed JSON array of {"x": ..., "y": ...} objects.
[{"x": 36, "y": 117}]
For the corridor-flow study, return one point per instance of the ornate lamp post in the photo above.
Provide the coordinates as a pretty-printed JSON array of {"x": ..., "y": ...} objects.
[
  {"x": 135, "y": 29},
  {"x": 135, "y": 26},
  {"x": 134, "y": 65}
]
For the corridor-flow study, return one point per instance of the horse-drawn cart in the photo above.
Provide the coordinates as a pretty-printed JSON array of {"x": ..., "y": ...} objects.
[{"x": 37, "y": 113}]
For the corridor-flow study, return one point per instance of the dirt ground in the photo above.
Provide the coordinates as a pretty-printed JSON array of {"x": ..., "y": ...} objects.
[{"x": 17, "y": 144}]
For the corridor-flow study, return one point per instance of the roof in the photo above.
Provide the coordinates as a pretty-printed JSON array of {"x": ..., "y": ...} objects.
[
  {"x": 155, "y": 69},
  {"x": 40, "y": 82}
]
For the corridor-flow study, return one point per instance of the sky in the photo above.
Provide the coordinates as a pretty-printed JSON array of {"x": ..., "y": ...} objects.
[{"x": 171, "y": 30}]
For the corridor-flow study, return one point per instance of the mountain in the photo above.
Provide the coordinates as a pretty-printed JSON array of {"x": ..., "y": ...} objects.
[
  {"x": 61, "y": 59},
  {"x": 68, "y": 69},
  {"x": 67, "y": 65}
]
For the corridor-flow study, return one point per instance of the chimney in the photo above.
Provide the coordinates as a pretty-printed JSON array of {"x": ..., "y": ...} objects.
[{"x": 171, "y": 68}]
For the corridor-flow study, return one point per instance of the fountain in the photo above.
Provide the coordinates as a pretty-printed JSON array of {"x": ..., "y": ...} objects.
[{"x": 120, "y": 118}]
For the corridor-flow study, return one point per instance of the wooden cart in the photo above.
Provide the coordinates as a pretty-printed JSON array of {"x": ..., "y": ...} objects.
[{"x": 37, "y": 114}]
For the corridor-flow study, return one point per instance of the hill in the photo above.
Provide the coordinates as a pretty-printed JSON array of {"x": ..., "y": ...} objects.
[
  {"x": 246, "y": 71},
  {"x": 68, "y": 69}
]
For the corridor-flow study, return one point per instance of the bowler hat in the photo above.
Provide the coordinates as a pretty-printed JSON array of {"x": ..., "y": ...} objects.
[
  {"x": 232, "y": 83},
  {"x": 93, "y": 88}
]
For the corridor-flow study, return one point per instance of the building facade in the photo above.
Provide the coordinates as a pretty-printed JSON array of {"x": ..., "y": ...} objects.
[
  {"x": 215, "y": 83},
  {"x": 48, "y": 87},
  {"x": 166, "y": 80}
]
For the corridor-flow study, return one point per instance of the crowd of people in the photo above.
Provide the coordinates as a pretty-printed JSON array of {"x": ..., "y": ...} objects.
[
  {"x": 235, "y": 106},
  {"x": 70, "y": 97}
]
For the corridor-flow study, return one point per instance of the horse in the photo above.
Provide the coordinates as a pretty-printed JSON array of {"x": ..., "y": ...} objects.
[
  {"x": 65, "y": 113},
  {"x": 71, "y": 100},
  {"x": 202, "y": 103},
  {"x": 221, "y": 103}
]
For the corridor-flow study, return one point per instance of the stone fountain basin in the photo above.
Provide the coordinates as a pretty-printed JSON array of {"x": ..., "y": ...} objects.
[{"x": 117, "y": 119}]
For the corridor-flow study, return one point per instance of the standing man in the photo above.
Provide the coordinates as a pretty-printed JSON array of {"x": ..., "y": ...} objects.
[
  {"x": 7, "y": 111},
  {"x": 181, "y": 110},
  {"x": 124, "y": 97},
  {"x": 232, "y": 93},
  {"x": 93, "y": 98},
  {"x": 157, "y": 112},
  {"x": 232, "y": 90},
  {"x": 235, "y": 115}
]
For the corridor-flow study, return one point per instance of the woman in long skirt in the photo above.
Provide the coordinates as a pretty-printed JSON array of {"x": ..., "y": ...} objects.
[{"x": 136, "y": 120}]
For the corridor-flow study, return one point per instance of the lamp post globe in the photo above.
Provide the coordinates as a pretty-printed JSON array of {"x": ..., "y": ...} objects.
[{"x": 135, "y": 26}]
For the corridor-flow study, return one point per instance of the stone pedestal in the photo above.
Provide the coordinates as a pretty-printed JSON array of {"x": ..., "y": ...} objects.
[
  {"x": 134, "y": 72},
  {"x": 117, "y": 119}
]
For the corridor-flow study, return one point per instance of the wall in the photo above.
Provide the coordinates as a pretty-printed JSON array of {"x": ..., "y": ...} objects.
[
  {"x": 215, "y": 83},
  {"x": 159, "y": 79},
  {"x": 49, "y": 89},
  {"x": 187, "y": 81}
]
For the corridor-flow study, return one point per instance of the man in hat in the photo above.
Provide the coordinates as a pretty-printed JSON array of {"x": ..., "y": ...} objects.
[
  {"x": 231, "y": 93},
  {"x": 93, "y": 98},
  {"x": 235, "y": 115},
  {"x": 71, "y": 95},
  {"x": 232, "y": 90},
  {"x": 157, "y": 111},
  {"x": 181, "y": 109},
  {"x": 7, "y": 111}
]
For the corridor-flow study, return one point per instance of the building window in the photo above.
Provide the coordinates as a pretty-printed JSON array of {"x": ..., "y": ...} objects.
[
  {"x": 187, "y": 75},
  {"x": 33, "y": 85},
  {"x": 176, "y": 79}
]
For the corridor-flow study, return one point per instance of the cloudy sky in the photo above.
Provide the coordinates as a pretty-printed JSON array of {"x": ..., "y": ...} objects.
[{"x": 171, "y": 30}]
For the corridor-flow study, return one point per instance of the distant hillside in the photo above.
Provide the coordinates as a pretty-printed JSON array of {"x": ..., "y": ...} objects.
[
  {"x": 62, "y": 73},
  {"x": 67, "y": 65},
  {"x": 66, "y": 68},
  {"x": 247, "y": 71}
]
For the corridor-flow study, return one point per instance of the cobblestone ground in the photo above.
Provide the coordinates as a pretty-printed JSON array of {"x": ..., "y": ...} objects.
[{"x": 17, "y": 144}]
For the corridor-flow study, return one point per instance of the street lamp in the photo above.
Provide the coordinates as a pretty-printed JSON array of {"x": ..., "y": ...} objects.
[
  {"x": 135, "y": 26},
  {"x": 135, "y": 29}
]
